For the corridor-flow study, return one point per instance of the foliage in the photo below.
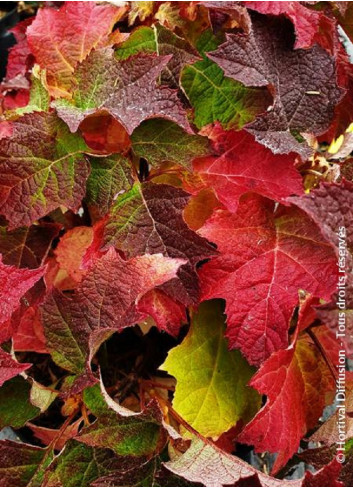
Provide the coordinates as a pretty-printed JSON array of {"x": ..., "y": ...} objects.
[{"x": 175, "y": 191}]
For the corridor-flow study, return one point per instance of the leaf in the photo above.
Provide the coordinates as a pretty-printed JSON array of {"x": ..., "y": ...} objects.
[
  {"x": 296, "y": 377},
  {"x": 42, "y": 397},
  {"x": 217, "y": 98},
  {"x": 137, "y": 435},
  {"x": 14, "y": 283},
  {"x": 86, "y": 26},
  {"x": 126, "y": 89},
  {"x": 330, "y": 206},
  {"x": 306, "y": 21},
  {"x": 42, "y": 167},
  {"x": 150, "y": 474},
  {"x": 69, "y": 255},
  {"x": 266, "y": 257},
  {"x": 210, "y": 378},
  {"x": 78, "y": 465},
  {"x": 19, "y": 55},
  {"x": 109, "y": 177},
  {"x": 164, "y": 42},
  {"x": 168, "y": 314},
  {"x": 304, "y": 81},
  {"x": 27, "y": 247},
  {"x": 19, "y": 463},
  {"x": 243, "y": 165},
  {"x": 205, "y": 463},
  {"x": 15, "y": 406},
  {"x": 148, "y": 219},
  {"x": 329, "y": 432},
  {"x": 75, "y": 326},
  {"x": 160, "y": 140}
]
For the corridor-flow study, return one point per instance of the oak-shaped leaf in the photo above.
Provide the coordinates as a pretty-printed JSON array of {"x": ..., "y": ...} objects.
[
  {"x": 215, "y": 97},
  {"x": 126, "y": 89},
  {"x": 266, "y": 257},
  {"x": 306, "y": 21},
  {"x": 42, "y": 167},
  {"x": 14, "y": 283},
  {"x": 76, "y": 325},
  {"x": 61, "y": 38},
  {"x": 210, "y": 378},
  {"x": 303, "y": 81},
  {"x": 243, "y": 165},
  {"x": 148, "y": 219},
  {"x": 160, "y": 141},
  {"x": 297, "y": 376}
]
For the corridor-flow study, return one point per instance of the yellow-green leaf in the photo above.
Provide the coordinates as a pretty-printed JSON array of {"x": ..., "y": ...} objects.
[{"x": 211, "y": 392}]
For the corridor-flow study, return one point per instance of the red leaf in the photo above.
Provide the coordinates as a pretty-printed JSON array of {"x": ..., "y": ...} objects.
[
  {"x": 296, "y": 382},
  {"x": 9, "y": 367},
  {"x": 306, "y": 21},
  {"x": 59, "y": 39},
  {"x": 14, "y": 282},
  {"x": 266, "y": 257},
  {"x": 246, "y": 166}
]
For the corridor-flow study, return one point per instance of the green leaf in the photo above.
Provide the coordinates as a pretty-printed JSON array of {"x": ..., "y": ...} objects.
[
  {"x": 142, "y": 39},
  {"x": 39, "y": 98},
  {"x": 15, "y": 406},
  {"x": 21, "y": 464},
  {"x": 162, "y": 41},
  {"x": 78, "y": 465},
  {"x": 136, "y": 435},
  {"x": 211, "y": 392},
  {"x": 215, "y": 97},
  {"x": 158, "y": 140},
  {"x": 109, "y": 177}
]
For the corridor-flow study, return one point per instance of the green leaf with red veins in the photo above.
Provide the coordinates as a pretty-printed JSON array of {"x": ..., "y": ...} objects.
[
  {"x": 14, "y": 283},
  {"x": 159, "y": 141},
  {"x": 266, "y": 257},
  {"x": 303, "y": 81},
  {"x": 76, "y": 325},
  {"x": 42, "y": 167},
  {"x": 243, "y": 165},
  {"x": 61, "y": 38},
  {"x": 127, "y": 90},
  {"x": 109, "y": 177},
  {"x": 148, "y": 219},
  {"x": 78, "y": 465},
  {"x": 300, "y": 377},
  {"x": 215, "y": 97}
]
